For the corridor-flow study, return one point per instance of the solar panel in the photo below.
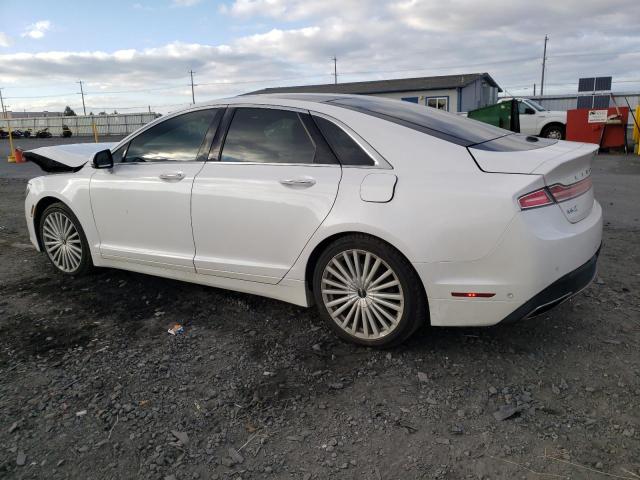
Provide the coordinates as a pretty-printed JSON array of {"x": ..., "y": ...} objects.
[
  {"x": 585, "y": 101},
  {"x": 601, "y": 101},
  {"x": 587, "y": 84},
  {"x": 593, "y": 101},
  {"x": 603, "y": 83}
]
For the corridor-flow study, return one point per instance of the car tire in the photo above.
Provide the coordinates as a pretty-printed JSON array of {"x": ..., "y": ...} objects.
[
  {"x": 63, "y": 240},
  {"x": 554, "y": 131},
  {"x": 368, "y": 292}
]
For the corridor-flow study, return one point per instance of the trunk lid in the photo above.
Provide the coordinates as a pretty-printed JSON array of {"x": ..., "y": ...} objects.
[
  {"x": 562, "y": 163},
  {"x": 65, "y": 158}
]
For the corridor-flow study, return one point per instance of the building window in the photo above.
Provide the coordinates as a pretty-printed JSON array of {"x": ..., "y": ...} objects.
[
  {"x": 411, "y": 99},
  {"x": 441, "y": 103}
]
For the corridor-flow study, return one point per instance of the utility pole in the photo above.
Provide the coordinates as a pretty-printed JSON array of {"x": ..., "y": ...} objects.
[
  {"x": 84, "y": 109},
  {"x": 193, "y": 95},
  {"x": 335, "y": 70},
  {"x": 4, "y": 113},
  {"x": 544, "y": 62},
  {"x": 534, "y": 89}
]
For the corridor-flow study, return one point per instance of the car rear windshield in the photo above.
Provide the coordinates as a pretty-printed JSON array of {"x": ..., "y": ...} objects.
[{"x": 447, "y": 126}]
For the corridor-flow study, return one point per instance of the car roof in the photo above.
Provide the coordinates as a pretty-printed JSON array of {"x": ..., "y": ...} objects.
[{"x": 301, "y": 100}]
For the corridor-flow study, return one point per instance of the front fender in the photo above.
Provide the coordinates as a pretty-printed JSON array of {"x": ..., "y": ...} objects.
[{"x": 73, "y": 191}]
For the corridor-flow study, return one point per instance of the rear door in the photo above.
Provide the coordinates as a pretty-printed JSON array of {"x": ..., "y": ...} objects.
[
  {"x": 269, "y": 185},
  {"x": 142, "y": 205}
]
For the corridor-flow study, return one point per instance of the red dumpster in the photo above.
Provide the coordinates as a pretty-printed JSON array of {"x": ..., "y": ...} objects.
[{"x": 604, "y": 126}]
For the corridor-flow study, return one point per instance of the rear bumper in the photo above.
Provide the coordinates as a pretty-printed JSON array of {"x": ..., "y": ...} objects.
[
  {"x": 539, "y": 250},
  {"x": 558, "y": 292}
]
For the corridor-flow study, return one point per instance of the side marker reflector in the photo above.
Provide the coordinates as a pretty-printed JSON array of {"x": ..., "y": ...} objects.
[{"x": 472, "y": 294}]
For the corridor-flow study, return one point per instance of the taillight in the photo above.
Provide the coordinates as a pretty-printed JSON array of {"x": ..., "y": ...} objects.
[
  {"x": 555, "y": 193},
  {"x": 539, "y": 198},
  {"x": 567, "y": 192}
]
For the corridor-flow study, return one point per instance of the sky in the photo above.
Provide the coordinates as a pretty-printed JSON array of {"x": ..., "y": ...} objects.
[{"x": 132, "y": 55}]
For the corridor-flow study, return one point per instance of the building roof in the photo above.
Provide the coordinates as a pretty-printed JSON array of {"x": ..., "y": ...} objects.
[{"x": 389, "y": 86}]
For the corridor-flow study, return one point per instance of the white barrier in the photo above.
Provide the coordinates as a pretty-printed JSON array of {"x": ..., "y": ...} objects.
[{"x": 116, "y": 124}]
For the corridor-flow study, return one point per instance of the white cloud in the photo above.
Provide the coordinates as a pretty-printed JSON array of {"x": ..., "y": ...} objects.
[
  {"x": 37, "y": 30},
  {"x": 185, "y": 3},
  {"x": 5, "y": 41}
]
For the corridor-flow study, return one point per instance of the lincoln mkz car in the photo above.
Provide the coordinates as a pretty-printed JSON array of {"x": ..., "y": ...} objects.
[{"x": 385, "y": 214}]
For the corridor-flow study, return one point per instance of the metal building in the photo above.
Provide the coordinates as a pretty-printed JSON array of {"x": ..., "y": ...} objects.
[{"x": 453, "y": 93}]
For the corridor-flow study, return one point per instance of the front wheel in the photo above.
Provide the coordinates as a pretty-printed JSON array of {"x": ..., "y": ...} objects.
[
  {"x": 555, "y": 132},
  {"x": 368, "y": 292},
  {"x": 63, "y": 240}
]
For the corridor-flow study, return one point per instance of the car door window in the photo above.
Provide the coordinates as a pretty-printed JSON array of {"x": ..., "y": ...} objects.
[
  {"x": 265, "y": 135},
  {"x": 177, "y": 139},
  {"x": 345, "y": 147}
]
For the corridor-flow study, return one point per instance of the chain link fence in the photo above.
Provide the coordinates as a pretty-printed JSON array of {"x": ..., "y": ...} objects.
[{"x": 115, "y": 124}]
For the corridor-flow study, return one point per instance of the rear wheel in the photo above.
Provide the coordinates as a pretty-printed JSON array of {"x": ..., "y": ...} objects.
[
  {"x": 368, "y": 292},
  {"x": 63, "y": 240},
  {"x": 554, "y": 131}
]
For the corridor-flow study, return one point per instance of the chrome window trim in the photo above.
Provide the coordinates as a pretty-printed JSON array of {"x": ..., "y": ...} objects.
[
  {"x": 379, "y": 161},
  {"x": 161, "y": 162}
]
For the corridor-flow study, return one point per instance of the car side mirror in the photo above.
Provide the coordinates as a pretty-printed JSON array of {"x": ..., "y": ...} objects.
[
  {"x": 529, "y": 111},
  {"x": 103, "y": 159}
]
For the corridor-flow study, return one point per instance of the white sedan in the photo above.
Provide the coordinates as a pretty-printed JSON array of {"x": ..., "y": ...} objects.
[{"x": 385, "y": 214}]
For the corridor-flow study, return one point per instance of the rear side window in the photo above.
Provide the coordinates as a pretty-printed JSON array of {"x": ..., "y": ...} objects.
[
  {"x": 345, "y": 148},
  {"x": 177, "y": 139},
  {"x": 447, "y": 126},
  {"x": 265, "y": 135}
]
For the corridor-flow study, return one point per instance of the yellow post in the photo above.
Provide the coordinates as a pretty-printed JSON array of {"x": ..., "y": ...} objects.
[
  {"x": 95, "y": 131},
  {"x": 12, "y": 158}
]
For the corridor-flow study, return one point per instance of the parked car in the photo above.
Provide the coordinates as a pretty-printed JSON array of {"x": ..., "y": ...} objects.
[
  {"x": 385, "y": 214},
  {"x": 27, "y": 132},
  {"x": 66, "y": 131},
  {"x": 536, "y": 120}
]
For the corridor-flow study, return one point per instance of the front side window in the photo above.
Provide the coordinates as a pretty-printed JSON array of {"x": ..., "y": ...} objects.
[
  {"x": 345, "y": 148},
  {"x": 265, "y": 135},
  {"x": 119, "y": 153},
  {"x": 175, "y": 140},
  {"x": 441, "y": 103},
  {"x": 535, "y": 105}
]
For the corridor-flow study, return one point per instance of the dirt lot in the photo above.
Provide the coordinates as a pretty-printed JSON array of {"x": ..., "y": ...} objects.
[{"x": 92, "y": 386}]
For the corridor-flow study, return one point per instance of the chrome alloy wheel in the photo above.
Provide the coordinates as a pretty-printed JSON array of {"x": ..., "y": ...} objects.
[
  {"x": 62, "y": 241},
  {"x": 362, "y": 294}
]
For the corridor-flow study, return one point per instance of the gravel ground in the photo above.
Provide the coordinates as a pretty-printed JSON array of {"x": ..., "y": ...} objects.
[{"x": 92, "y": 386}]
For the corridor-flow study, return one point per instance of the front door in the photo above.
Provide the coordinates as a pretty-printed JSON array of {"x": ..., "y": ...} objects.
[
  {"x": 528, "y": 119},
  {"x": 142, "y": 206},
  {"x": 259, "y": 203}
]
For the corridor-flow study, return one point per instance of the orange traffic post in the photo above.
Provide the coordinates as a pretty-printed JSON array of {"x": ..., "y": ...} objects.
[{"x": 18, "y": 155}]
